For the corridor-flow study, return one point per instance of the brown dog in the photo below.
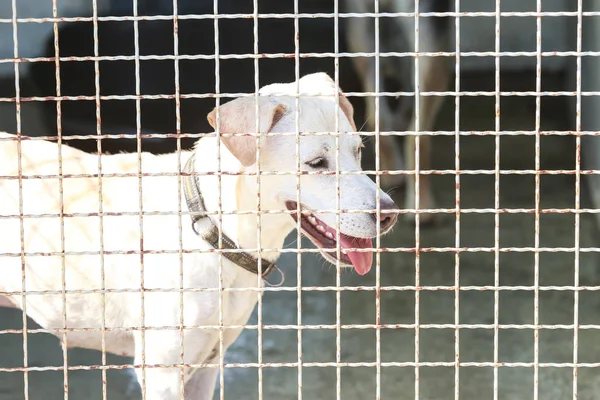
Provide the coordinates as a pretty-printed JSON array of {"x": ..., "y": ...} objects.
[{"x": 397, "y": 34}]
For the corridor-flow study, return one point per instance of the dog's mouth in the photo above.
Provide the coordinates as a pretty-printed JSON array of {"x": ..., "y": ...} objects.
[{"x": 324, "y": 237}]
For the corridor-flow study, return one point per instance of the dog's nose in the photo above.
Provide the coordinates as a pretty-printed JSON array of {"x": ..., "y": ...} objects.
[
  {"x": 388, "y": 215},
  {"x": 387, "y": 221}
]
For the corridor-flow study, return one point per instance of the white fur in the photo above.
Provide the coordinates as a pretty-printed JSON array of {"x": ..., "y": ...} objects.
[{"x": 127, "y": 233}]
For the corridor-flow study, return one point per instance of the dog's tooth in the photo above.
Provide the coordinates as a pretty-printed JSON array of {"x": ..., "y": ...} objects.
[
  {"x": 320, "y": 228},
  {"x": 329, "y": 235},
  {"x": 312, "y": 220}
]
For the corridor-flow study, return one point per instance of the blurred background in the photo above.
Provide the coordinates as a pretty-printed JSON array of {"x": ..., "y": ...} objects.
[{"x": 470, "y": 269}]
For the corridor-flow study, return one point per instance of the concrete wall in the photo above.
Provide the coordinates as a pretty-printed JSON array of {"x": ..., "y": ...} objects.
[
  {"x": 516, "y": 33},
  {"x": 477, "y": 33},
  {"x": 30, "y": 35}
]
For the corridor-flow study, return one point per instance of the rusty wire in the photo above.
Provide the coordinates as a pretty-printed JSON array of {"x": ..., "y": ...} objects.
[{"x": 418, "y": 249}]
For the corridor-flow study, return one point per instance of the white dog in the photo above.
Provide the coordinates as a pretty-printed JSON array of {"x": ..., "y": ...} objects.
[{"x": 80, "y": 234}]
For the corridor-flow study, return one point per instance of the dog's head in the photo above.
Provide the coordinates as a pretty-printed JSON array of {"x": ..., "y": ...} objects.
[{"x": 315, "y": 153}]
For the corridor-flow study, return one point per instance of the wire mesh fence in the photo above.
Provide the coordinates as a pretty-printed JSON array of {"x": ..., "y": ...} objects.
[{"x": 167, "y": 261}]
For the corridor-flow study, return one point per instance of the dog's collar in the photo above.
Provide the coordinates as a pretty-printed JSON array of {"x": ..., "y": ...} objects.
[{"x": 195, "y": 204}]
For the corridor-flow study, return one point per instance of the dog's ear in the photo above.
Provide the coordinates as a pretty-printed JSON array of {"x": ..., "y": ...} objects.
[
  {"x": 348, "y": 110},
  {"x": 319, "y": 80},
  {"x": 239, "y": 116}
]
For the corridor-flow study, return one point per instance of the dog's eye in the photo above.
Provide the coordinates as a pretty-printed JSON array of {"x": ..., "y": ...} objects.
[{"x": 319, "y": 162}]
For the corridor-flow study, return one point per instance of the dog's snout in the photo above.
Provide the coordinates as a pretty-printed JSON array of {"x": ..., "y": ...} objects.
[
  {"x": 388, "y": 214},
  {"x": 387, "y": 221}
]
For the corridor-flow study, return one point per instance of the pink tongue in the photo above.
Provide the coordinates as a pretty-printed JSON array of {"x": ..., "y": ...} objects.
[{"x": 360, "y": 260}]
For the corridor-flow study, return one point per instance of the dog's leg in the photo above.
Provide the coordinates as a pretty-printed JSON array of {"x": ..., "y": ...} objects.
[
  {"x": 202, "y": 382},
  {"x": 390, "y": 154},
  {"x": 361, "y": 39},
  {"x": 163, "y": 348},
  {"x": 434, "y": 75},
  {"x": 158, "y": 347}
]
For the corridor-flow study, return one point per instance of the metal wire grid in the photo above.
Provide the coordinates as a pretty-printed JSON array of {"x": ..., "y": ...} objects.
[{"x": 338, "y": 288}]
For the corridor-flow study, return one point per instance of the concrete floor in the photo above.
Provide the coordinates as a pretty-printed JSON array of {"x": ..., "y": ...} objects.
[{"x": 398, "y": 306}]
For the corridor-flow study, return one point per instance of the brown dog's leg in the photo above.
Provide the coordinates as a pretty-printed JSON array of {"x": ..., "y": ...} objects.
[
  {"x": 361, "y": 39},
  {"x": 434, "y": 75}
]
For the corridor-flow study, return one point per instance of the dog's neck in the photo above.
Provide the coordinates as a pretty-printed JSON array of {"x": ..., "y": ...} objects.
[{"x": 239, "y": 193}]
